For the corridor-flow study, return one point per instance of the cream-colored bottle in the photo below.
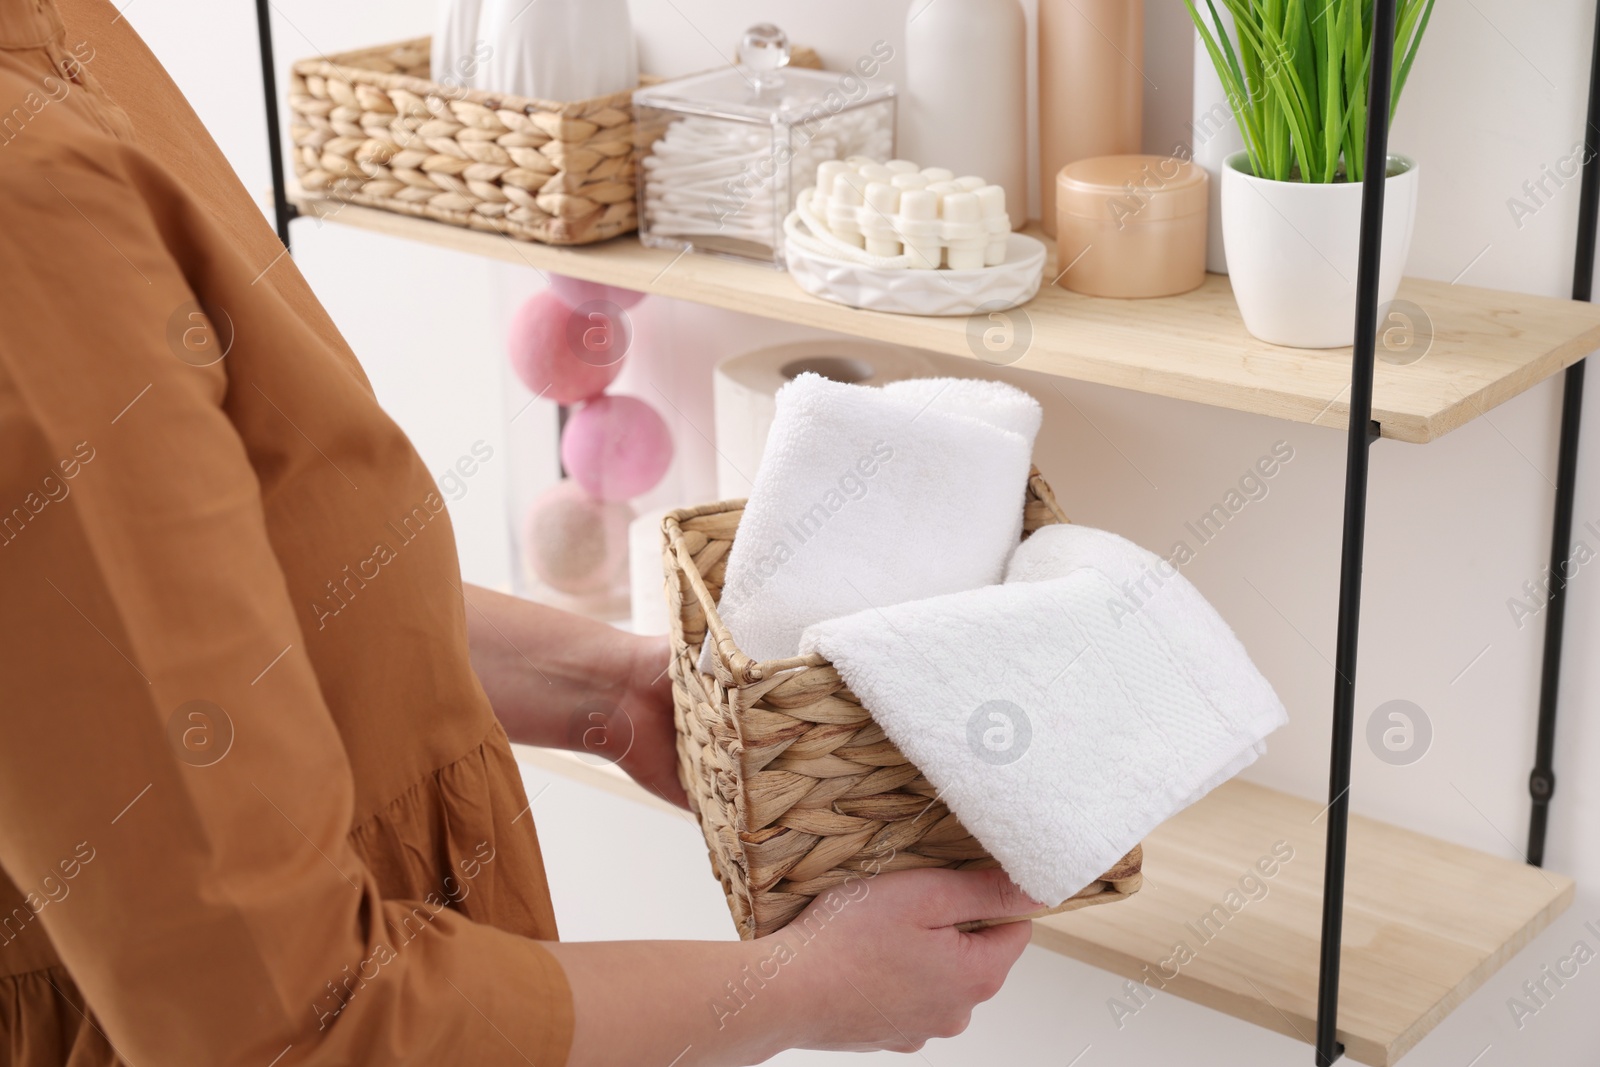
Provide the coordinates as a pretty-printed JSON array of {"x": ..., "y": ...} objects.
[
  {"x": 964, "y": 94},
  {"x": 1091, "y": 86}
]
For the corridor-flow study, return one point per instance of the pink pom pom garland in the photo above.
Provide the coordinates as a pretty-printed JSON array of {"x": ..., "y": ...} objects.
[
  {"x": 566, "y": 355},
  {"x": 574, "y": 543},
  {"x": 616, "y": 447}
]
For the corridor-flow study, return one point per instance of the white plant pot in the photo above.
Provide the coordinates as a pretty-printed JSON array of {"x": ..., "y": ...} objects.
[{"x": 1293, "y": 246}]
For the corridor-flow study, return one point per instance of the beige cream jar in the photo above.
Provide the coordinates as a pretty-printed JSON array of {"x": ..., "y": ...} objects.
[{"x": 1131, "y": 226}]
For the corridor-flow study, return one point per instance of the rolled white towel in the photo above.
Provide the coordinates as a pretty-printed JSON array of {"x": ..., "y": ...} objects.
[
  {"x": 1065, "y": 714},
  {"x": 995, "y": 403},
  {"x": 869, "y": 496}
]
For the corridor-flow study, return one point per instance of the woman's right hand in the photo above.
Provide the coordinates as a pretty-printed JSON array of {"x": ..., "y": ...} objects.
[
  {"x": 883, "y": 965},
  {"x": 875, "y": 963}
]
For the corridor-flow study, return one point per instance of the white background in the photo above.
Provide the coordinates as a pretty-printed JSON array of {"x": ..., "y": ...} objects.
[{"x": 1455, "y": 528}]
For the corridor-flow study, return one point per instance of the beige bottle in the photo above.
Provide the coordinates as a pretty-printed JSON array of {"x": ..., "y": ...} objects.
[{"x": 1091, "y": 87}]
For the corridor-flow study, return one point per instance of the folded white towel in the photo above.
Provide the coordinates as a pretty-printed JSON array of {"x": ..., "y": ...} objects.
[
  {"x": 1065, "y": 714},
  {"x": 870, "y": 496},
  {"x": 993, "y": 402}
]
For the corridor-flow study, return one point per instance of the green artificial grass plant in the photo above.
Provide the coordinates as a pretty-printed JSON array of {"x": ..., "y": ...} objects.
[{"x": 1296, "y": 78}]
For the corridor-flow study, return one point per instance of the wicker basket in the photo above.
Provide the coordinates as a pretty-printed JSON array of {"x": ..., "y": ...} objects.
[
  {"x": 371, "y": 129},
  {"x": 797, "y": 789}
]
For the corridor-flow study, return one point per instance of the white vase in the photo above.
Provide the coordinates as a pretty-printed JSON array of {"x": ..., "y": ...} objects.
[
  {"x": 963, "y": 100},
  {"x": 1293, "y": 246},
  {"x": 457, "y": 49},
  {"x": 558, "y": 49}
]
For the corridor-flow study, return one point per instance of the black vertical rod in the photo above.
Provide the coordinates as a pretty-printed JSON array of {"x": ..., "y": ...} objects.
[
  {"x": 1355, "y": 520},
  {"x": 563, "y": 413},
  {"x": 1542, "y": 781},
  {"x": 282, "y": 209}
]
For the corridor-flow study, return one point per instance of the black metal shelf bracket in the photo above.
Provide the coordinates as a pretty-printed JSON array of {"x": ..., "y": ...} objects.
[
  {"x": 1542, "y": 780},
  {"x": 282, "y": 210},
  {"x": 1357, "y": 457}
]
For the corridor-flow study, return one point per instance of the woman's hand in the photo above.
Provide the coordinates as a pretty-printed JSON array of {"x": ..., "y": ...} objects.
[
  {"x": 559, "y": 680},
  {"x": 891, "y": 963},
  {"x": 874, "y": 964},
  {"x": 652, "y": 757}
]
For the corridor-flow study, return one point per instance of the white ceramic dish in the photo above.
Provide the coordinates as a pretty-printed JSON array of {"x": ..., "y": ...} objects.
[{"x": 920, "y": 292}]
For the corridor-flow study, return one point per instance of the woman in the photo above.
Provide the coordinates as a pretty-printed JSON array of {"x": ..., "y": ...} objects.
[{"x": 256, "y": 800}]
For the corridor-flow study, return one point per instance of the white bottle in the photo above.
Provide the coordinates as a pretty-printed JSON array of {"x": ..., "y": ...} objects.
[
  {"x": 558, "y": 49},
  {"x": 964, "y": 97},
  {"x": 1214, "y": 137},
  {"x": 457, "y": 49}
]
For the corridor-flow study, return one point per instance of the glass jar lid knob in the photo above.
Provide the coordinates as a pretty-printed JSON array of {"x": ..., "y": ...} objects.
[{"x": 763, "y": 50}]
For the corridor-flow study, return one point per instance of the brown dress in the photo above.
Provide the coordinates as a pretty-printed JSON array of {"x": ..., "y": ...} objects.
[{"x": 254, "y": 805}]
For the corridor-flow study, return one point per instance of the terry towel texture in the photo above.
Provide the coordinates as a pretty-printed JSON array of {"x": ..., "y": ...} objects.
[
  {"x": 867, "y": 497},
  {"x": 1064, "y": 714}
]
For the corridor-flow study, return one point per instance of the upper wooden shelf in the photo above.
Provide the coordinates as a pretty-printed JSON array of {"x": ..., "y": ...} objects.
[
  {"x": 1488, "y": 346},
  {"x": 1426, "y": 922}
]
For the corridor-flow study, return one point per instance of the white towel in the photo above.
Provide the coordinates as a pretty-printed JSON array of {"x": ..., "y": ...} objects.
[
  {"x": 992, "y": 402},
  {"x": 1065, "y": 714},
  {"x": 867, "y": 497}
]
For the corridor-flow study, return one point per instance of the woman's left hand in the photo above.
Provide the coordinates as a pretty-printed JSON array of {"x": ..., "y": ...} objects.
[
  {"x": 651, "y": 756},
  {"x": 559, "y": 680}
]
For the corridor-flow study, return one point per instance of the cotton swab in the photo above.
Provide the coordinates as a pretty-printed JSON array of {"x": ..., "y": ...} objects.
[{"x": 711, "y": 177}]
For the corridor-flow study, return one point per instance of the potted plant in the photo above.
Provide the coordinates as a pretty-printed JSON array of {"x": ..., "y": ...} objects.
[{"x": 1296, "y": 75}]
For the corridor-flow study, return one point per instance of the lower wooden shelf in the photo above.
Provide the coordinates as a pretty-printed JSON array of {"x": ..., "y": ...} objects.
[
  {"x": 1426, "y": 922},
  {"x": 1231, "y": 910}
]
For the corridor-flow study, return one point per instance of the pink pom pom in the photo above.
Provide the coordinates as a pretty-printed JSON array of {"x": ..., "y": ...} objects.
[
  {"x": 576, "y": 292},
  {"x": 575, "y": 544},
  {"x": 616, "y": 447},
  {"x": 565, "y": 356}
]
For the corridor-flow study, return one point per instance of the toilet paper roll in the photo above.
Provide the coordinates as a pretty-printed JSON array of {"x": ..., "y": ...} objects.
[
  {"x": 647, "y": 575},
  {"x": 743, "y": 388}
]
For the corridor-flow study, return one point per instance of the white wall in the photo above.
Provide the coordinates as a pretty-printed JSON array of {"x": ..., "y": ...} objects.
[{"x": 1455, "y": 528}]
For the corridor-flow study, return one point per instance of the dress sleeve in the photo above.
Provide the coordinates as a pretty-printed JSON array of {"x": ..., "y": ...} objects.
[{"x": 174, "y": 796}]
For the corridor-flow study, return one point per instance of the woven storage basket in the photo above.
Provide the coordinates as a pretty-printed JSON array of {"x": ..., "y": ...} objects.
[
  {"x": 370, "y": 128},
  {"x": 797, "y": 789}
]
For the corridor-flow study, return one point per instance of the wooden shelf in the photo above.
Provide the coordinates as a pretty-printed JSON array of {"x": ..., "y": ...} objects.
[
  {"x": 1488, "y": 346},
  {"x": 1426, "y": 922}
]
